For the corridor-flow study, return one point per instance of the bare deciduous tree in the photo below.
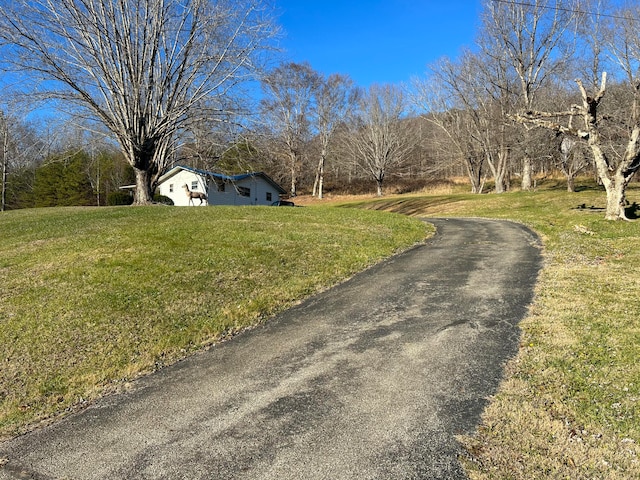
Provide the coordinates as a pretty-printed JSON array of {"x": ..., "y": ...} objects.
[
  {"x": 455, "y": 122},
  {"x": 531, "y": 38},
  {"x": 572, "y": 161},
  {"x": 19, "y": 148},
  {"x": 5, "y": 148},
  {"x": 143, "y": 68},
  {"x": 379, "y": 140},
  {"x": 615, "y": 175},
  {"x": 614, "y": 171},
  {"x": 334, "y": 96},
  {"x": 289, "y": 93},
  {"x": 481, "y": 87}
]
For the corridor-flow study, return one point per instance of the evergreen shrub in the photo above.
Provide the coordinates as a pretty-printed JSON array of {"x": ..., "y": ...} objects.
[
  {"x": 119, "y": 198},
  {"x": 157, "y": 198}
]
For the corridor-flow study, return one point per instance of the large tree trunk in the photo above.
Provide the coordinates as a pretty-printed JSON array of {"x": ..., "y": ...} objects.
[
  {"x": 149, "y": 161},
  {"x": 379, "y": 176},
  {"x": 615, "y": 184},
  {"x": 477, "y": 183},
  {"x": 477, "y": 187},
  {"x": 143, "y": 194},
  {"x": 499, "y": 166},
  {"x": 615, "y": 181},
  {"x": 321, "y": 177},
  {"x": 616, "y": 200},
  {"x": 499, "y": 183},
  {"x": 3, "y": 202},
  {"x": 614, "y": 178},
  {"x": 475, "y": 174},
  {"x": 5, "y": 162}
]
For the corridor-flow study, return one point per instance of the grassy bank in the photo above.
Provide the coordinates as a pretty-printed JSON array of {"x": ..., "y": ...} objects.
[
  {"x": 568, "y": 407},
  {"x": 92, "y": 297}
]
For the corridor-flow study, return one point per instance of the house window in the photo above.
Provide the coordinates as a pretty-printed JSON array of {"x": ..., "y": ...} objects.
[
  {"x": 268, "y": 196},
  {"x": 244, "y": 191},
  {"x": 171, "y": 187},
  {"x": 194, "y": 185}
]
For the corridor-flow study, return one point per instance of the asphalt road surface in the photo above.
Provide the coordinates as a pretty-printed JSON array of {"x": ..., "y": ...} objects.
[{"x": 369, "y": 380}]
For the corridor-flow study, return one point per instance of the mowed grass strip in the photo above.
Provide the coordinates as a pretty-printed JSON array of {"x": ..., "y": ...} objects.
[
  {"x": 568, "y": 406},
  {"x": 92, "y": 297}
]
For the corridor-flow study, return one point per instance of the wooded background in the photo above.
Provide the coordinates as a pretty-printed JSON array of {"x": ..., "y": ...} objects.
[{"x": 526, "y": 101}]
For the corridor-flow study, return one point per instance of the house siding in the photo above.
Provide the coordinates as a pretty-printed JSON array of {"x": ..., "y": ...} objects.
[
  {"x": 258, "y": 188},
  {"x": 178, "y": 195},
  {"x": 220, "y": 191}
]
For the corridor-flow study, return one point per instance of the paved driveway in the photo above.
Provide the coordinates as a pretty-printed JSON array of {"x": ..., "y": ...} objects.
[{"x": 369, "y": 380}]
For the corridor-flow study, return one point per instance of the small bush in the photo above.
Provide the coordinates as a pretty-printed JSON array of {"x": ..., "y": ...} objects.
[
  {"x": 119, "y": 198},
  {"x": 157, "y": 198}
]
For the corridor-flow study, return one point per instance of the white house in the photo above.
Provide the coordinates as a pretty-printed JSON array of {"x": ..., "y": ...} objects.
[{"x": 246, "y": 189}]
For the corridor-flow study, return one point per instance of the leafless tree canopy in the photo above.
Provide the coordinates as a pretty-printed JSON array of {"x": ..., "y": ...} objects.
[
  {"x": 289, "y": 94},
  {"x": 144, "y": 68},
  {"x": 534, "y": 41},
  {"x": 334, "y": 96},
  {"x": 380, "y": 140},
  {"x": 618, "y": 39}
]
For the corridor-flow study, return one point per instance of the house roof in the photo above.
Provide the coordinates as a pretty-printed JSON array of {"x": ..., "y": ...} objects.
[{"x": 220, "y": 176}]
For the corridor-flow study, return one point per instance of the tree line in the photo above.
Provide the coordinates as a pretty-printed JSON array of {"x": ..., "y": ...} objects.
[
  {"x": 175, "y": 82},
  {"x": 67, "y": 168},
  {"x": 534, "y": 87}
]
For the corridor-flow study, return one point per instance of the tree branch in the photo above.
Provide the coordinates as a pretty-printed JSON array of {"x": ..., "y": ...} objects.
[{"x": 538, "y": 120}]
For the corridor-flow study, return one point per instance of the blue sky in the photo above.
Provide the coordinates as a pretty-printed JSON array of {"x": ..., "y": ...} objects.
[{"x": 376, "y": 41}]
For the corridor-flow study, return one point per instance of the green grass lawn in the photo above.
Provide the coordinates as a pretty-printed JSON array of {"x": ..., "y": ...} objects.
[
  {"x": 568, "y": 406},
  {"x": 92, "y": 297}
]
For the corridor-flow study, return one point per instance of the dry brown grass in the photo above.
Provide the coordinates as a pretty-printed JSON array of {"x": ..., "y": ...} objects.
[
  {"x": 449, "y": 187},
  {"x": 566, "y": 406}
]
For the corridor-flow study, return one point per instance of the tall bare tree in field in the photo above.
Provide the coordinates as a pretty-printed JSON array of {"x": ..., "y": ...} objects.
[
  {"x": 379, "y": 140},
  {"x": 6, "y": 145},
  {"x": 455, "y": 139},
  {"x": 143, "y": 68},
  {"x": 289, "y": 92},
  {"x": 585, "y": 121},
  {"x": 333, "y": 98},
  {"x": 573, "y": 161},
  {"x": 535, "y": 40},
  {"x": 478, "y": 94}
]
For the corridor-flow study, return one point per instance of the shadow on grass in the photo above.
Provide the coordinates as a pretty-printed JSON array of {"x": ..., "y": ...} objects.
[
  {"x": 632, "y": 211},
  {"x": 588, "y": 188},
  {"x": 590, "y": 208}
]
